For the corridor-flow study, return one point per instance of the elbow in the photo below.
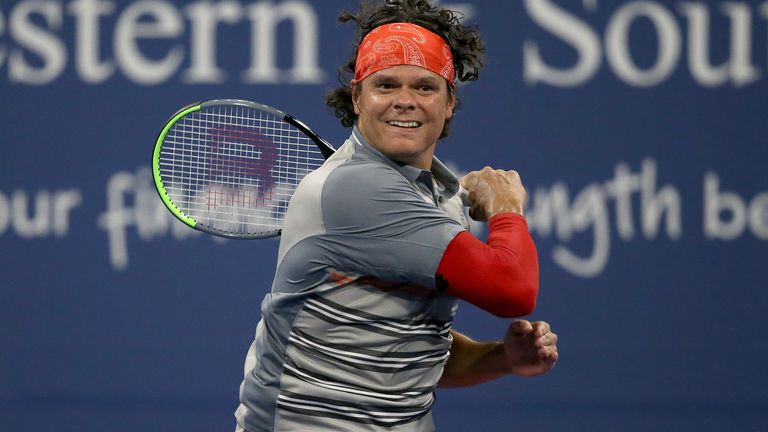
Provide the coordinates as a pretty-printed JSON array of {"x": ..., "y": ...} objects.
[
  {"x": 503, "y": 282},
  {"x": 520, "y": 289},
  {"x": 516, "y": 301}
]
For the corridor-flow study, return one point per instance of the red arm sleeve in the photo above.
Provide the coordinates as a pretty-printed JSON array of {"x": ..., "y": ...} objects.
[{"x": 502, "y": 276}]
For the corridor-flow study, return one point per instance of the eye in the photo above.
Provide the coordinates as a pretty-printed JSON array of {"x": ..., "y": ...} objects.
[
  {"x": 384, "y": 85},
  {"x": 427, "y": 87}
]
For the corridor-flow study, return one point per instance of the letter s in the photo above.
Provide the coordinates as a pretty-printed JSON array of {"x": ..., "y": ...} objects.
[
  {"x": 571, "y": 30},
  {"x": 41, "y": 42}
]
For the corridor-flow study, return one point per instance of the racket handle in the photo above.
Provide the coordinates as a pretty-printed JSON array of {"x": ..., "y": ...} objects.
[{"x": 464, "y": 195}]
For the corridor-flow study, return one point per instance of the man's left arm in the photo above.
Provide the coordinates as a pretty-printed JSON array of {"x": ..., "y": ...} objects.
[{"x": 528, "y": 349}]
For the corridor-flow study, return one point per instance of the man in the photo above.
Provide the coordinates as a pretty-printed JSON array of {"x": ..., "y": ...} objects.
[{"x": 356, "y": 332}]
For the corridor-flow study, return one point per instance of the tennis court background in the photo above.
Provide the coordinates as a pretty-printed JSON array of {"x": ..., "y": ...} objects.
[{"x": 639, "y": 128}]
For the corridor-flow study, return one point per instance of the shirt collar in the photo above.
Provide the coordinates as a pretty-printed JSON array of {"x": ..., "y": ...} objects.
[{"x": 448, "y": 182}]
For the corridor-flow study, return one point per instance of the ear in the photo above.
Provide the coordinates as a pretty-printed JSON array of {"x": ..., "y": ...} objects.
[{"x": 354, "y": 87}]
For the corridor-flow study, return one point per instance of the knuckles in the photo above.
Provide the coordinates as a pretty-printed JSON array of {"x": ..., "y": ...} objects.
[{"x": 487, "y": 182}]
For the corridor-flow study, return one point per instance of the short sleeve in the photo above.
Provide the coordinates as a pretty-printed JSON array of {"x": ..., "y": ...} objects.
[{"x": 376, "y": 223}]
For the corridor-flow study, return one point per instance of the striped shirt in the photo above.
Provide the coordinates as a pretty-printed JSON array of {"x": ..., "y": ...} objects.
[{"x": 354, "y": 335}]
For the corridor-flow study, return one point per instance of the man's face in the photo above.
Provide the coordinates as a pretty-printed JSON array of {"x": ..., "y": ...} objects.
[{"x": 401, "y": 112}]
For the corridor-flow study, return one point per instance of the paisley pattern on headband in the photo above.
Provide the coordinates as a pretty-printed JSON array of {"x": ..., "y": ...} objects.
[{"x": 403, "y": 44}]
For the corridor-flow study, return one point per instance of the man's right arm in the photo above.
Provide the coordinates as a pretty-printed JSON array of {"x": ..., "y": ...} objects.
[{"x": 502, "y": 275}]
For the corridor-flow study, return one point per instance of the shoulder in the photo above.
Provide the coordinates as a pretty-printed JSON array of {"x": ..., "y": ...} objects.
[
  {"x": 375, "y": 199},
  {"x": 309, "y": 191},
  {"x": 304, "y": 217},
  {"x": 364, "y": 179}
]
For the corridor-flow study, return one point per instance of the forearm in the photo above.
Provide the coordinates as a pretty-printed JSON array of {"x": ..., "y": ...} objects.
[{"x": 473, "y": 363}]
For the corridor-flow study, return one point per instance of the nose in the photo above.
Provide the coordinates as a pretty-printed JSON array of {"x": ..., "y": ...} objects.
[{"x": 404, "y": 101}]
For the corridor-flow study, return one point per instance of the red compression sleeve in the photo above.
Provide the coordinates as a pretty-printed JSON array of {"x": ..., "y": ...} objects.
[{"x": 502, "y": 276}]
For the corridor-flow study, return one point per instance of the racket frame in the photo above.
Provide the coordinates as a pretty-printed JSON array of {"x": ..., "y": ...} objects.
[{"x": 324, "y": 146}]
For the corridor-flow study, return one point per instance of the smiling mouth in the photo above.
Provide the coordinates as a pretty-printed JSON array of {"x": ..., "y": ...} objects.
[{"x": 404, "y": 124}]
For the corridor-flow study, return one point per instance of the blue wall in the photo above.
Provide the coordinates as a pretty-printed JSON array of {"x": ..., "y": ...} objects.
[{"x": 639, "y": 128}]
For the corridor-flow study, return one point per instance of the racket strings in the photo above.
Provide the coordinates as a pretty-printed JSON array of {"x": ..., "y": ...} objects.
[{"x": 235, "y": 168}]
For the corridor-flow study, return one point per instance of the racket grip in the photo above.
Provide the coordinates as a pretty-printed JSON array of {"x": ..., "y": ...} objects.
[{"x": 464, "y": 195}]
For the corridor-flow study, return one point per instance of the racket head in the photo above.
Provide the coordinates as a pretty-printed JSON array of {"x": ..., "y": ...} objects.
[{"x": 228, "y": 167}]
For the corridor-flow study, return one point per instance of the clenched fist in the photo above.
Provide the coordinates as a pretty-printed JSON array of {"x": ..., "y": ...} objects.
[{"x": 493, "y": 191}]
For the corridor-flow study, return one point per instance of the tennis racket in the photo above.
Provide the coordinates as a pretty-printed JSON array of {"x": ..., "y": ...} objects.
[{"x": 228, "y": 167}]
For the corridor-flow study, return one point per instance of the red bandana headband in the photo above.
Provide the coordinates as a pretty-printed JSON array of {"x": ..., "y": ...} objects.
[{"x": 403, "y": 44}]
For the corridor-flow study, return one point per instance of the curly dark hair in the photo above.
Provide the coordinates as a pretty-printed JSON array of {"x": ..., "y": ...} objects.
[{"x": 466, "y": 44}]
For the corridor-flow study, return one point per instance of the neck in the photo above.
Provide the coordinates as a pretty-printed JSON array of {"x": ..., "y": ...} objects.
[{"x": 422, "y": 160}]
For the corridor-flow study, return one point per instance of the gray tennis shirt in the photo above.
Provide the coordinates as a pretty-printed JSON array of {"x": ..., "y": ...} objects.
[{"x": 354, "y": 333}]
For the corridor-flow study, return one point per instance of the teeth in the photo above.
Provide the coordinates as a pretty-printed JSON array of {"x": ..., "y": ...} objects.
[{"x": 405, "y": 124}]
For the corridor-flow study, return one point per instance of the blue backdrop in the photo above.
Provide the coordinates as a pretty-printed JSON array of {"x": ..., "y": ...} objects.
[{"x": 639, "y": 128}]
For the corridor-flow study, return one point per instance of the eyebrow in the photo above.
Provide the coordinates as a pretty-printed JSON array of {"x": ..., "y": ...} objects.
[
  {"x": 428, "y": 80},
  {"x": 384, "y": 78}
]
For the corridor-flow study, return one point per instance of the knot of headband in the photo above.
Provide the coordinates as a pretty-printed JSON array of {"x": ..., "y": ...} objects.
[{"x": 403, "y": 44}]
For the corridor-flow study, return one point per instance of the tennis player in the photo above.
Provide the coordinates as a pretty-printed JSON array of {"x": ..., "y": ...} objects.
[{"x": 356, "y": 332}]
